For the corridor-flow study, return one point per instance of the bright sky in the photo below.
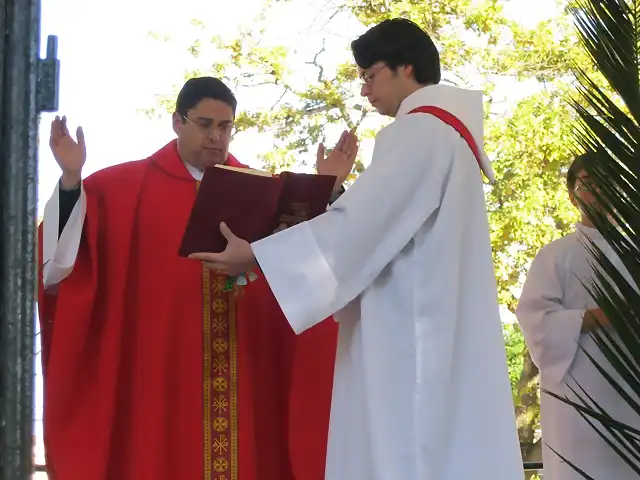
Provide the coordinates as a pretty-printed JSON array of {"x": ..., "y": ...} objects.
[{"x": 110, "y": 69}]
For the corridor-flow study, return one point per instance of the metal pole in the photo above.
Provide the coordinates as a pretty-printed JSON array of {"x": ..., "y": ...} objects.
[{"x": 20, "y": 38}]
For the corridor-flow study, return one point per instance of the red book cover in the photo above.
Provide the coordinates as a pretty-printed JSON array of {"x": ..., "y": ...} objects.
[{"x": 253, "y": 204}]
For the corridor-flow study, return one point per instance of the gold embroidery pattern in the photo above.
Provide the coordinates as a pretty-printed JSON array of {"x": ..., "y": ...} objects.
[
  {"x": 233, "y": 357},
  {"x": 206, "y": 368},
  {"x": 220, "y": 381}
]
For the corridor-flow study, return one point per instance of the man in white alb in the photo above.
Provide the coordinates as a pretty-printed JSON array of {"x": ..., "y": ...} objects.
[
  {"x": 557, "y": 314},
  {"x": 421, "y": 389}
]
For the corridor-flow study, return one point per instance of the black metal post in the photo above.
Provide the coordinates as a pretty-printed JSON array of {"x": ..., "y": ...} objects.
[{"x": 19, "y": 63}]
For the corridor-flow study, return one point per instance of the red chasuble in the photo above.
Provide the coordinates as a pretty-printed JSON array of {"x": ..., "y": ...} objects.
[{"x": 153, "y": 371}]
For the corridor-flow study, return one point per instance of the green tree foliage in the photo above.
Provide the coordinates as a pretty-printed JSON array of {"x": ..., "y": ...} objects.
[{"x": 525, "y": 73}]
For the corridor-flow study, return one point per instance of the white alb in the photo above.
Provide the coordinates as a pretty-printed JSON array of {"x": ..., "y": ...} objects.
[
  {"x": 403, "y": 258},
  {"x": 550, "y": 312}
]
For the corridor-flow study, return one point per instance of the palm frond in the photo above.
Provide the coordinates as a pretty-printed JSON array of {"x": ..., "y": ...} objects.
[
  {"x": 607, "y": 104},
  {"x": 578, "y": 470}
]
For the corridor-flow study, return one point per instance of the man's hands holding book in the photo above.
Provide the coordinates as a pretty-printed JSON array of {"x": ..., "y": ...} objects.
[{"x": 237, "y": 259}]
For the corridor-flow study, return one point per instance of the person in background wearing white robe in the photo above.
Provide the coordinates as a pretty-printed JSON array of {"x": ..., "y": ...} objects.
[
  {"x": 557, "y": 314},
  {"x": 421, "y": 387}
]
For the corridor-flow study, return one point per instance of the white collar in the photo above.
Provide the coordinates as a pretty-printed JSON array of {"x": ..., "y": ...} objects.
[{"x": 195, "y": 172}]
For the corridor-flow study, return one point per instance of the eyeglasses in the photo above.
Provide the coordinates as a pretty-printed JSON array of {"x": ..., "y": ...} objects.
[
  {"x": 207, "y": 127},
  {"x": 583, "y": 185},
  {"x": 367, "y": 77}
]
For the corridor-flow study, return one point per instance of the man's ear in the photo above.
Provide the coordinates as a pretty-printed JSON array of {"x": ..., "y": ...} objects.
[
  {"x": 176, "y": 120},
  {"x": 407, "y": 71}
]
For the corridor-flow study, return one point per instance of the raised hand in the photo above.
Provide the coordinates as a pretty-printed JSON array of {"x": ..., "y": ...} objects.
[
  {"x": 69, "y": 154},
  {"x": 341, "y": 159}
]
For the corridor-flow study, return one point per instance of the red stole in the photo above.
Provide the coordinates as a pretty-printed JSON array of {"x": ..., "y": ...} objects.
[{"x": 453, "y": 122}]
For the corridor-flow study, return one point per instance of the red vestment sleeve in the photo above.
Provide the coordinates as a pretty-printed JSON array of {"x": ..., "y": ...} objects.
[{"x": 80, "y": 338}]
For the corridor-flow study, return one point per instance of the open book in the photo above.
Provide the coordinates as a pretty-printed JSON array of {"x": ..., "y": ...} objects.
[{"x": 254, "y": 204}]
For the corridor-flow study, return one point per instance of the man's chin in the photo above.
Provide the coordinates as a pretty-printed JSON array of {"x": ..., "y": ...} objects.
[
  {"x": 211, "y": 159},
  {"x": 380, "y": 109},
  {"x": 386, "y": 112}
]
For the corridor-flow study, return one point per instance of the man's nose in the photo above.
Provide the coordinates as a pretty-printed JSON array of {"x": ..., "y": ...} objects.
[
  {"x": 214, "y": 133},
  {"x": 365, "y": 90}
]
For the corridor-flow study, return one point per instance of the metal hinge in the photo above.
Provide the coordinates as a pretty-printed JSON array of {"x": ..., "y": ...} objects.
[{"x": 48, "y": 78}]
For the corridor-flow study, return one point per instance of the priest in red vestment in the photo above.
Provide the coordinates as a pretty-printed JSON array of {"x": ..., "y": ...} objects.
[{"x": 153, "y": 369}]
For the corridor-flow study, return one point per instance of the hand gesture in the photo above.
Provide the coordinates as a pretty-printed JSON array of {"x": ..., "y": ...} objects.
[
  {"x": 69, "y": 154},
  {"x": 341, "y": 159}
]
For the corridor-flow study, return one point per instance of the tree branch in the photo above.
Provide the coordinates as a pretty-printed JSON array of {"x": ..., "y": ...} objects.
[
  {"x": 315, "y": 63},
  {"x": 329, "y": 4},
  {"x": 363, "y": 113},
  {"x": 286, "y": 89}
]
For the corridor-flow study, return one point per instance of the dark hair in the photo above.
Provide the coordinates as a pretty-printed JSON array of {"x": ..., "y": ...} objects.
[
  {"x": 398, "y": 42},
  {"x": 576, "y": 167},
  {"x": 197, "y": 89}
]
